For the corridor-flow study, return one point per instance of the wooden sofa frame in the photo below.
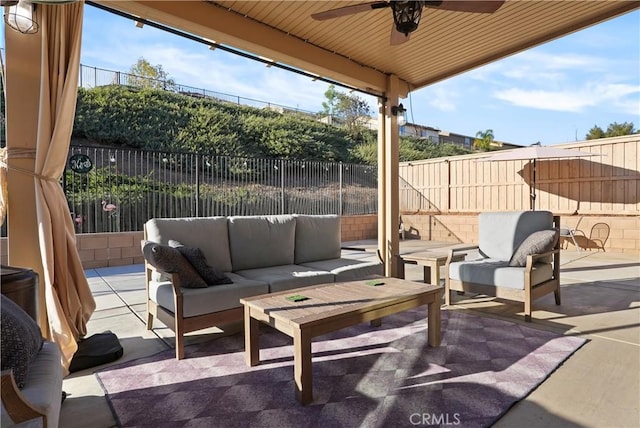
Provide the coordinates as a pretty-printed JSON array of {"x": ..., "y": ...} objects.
[
  {"x": 527, "y": 295},
  {"x": 16, "y": 404}
]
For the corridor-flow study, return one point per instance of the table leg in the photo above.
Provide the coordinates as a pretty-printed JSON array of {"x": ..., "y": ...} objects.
[
  {"x": 433, "y": 321},
  {"x": 435, "y": 274},
  {"x": 251, "y": 338},
  {"x": 302, "y": 371}
]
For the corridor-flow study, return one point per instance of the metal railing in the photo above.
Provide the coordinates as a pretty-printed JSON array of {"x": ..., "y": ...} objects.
[
  {"x": 126, "y": 187},
  {"x": 91, "y": 77}
]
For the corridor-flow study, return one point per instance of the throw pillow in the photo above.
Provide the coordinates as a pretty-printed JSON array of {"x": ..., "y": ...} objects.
[
  {"x": 170, "y": 260},
  {"x": 21, "y": 340},
  {"x": 536, "y": 243},
  {"x": 196, "y": 257}
]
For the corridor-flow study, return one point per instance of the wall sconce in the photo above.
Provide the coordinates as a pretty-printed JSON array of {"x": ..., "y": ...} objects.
[
  {"x": 400, "y": 112},
  {"x": 19, "y": 16}
]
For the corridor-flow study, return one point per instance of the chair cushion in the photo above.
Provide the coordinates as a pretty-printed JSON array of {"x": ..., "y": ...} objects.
[
  {"x": 195, "y": 256},
  {"x": 538, "y": 242},
  {"x": 260, "y": 241},
  {"x": 20, "y": 342},
  {"x": 199, "y": 301},
  {"x": 287, "y": 277},
  {"x": 498, "y": 273},
  {"x": 170, "y": 260},
  {"x": 44, "y": 383},
  {"x": 317, "y": 238},
  {"x": 500, "y": 233}
]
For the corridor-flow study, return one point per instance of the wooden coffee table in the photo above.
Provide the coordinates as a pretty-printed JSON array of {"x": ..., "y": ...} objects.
[
  {"x": 332, "y": 307},
  {"x": 431, "y": 261}
]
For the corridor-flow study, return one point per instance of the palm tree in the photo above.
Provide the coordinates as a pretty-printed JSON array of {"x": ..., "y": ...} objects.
[{"x": 484, "y": 140}]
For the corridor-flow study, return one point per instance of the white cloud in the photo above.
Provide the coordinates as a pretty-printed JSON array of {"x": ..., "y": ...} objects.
[{"x": 572, "y": 100}]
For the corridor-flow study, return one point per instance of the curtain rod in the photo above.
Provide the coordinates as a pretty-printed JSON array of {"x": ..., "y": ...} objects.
[{"x": 228, "y": 49}]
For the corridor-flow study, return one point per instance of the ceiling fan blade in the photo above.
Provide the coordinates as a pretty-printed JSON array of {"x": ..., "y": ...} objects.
[
  {"x": 397, "y": 38},
  {"x": 348, "y": 10},
  {"x": 478, "y": 6}
]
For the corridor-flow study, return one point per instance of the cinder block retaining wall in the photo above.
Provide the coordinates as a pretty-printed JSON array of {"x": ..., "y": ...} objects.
[
  {"x": 117, "y": 249},
  {"x": 123, "y": 248}
]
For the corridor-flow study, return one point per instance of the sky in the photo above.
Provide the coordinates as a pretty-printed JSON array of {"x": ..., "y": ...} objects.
[{"x": 554, "y": 93}]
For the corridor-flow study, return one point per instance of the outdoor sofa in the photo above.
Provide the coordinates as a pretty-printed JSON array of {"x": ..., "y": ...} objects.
[
  {"x": 245, "y": 256},
  {"x": 518, "y": 258}
]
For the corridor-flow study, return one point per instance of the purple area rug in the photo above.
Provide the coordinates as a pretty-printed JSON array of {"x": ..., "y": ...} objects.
[{"x": 362, "y": 377}]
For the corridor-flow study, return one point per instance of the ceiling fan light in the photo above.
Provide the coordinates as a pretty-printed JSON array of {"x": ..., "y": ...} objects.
[{"x": 406, "y": 15}]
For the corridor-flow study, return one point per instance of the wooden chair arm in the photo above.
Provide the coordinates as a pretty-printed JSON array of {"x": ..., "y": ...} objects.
[
  {"x": 453, "y": 251},
  {"x": 16, "y": 405}
]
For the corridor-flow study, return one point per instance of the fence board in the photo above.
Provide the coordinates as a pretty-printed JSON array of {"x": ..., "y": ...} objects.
[{"x": 607, "y": 184}]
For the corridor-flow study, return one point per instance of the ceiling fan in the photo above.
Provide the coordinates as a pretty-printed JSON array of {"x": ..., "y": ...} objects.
[{"x": 406, "y": 14}]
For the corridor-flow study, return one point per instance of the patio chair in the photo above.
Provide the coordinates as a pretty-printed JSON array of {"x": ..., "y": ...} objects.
[
  {"x": 598, "y": 236},
  {"x": 570, "y": 233},
  {"x": 519, "y": 259}
]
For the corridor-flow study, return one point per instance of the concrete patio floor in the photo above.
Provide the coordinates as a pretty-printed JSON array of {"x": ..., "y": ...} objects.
[{"x": 599, "y": 386}]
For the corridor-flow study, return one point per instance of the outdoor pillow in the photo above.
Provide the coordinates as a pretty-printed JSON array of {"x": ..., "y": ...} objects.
[
  {"x": 536, "y": 243},
  {"x": 170, "y": 260},
  {"x": 20, "y": 342},
  {"x": 196, "y": 257}
]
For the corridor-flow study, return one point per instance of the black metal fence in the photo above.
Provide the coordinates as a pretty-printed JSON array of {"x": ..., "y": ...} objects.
[
  {"x": 125, "y": 187},
  {"x": 91, "y": 77}
]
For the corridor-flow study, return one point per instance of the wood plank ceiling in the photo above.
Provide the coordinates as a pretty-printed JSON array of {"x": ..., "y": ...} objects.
[{"x": 355, "y": 49}]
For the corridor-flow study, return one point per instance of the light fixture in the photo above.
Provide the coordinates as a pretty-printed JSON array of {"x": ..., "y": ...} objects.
[
  {"x": 20, "y": 17},
  {"x": 406, "y": 15},
  {"x": 400, "y": 112}
]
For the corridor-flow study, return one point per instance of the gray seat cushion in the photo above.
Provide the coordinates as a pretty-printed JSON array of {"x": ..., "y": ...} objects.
[
  {"x": 43, "y": 386},
  {"x": 498, "y": 273},
  {"x": 200, "y": 301},
  {"x": 501, "y": 233},
  {"x": 261, "y": 241},
  {"x": 317, "y": 238},
  {"x": 286, "y": 277},
  {"x": 347, "y": 269}
]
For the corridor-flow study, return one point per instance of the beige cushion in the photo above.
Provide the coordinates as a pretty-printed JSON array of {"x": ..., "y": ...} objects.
[
  {"x": 261, "y": 241},
  {"x": 317, "y": 238}
]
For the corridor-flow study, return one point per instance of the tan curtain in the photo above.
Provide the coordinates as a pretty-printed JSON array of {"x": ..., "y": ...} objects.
[{"x": 69, "y": 302}]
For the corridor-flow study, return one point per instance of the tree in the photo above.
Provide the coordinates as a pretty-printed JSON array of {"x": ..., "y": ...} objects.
[
  {"x": 146, "y": 75},
  {"x": 350, "y": 111},
  {"x": 614, "y": 129},
  {"x": 483, "y": 140}
]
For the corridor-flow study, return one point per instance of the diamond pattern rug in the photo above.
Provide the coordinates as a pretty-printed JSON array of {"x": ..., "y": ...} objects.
[{"x": 362, "y": 377}]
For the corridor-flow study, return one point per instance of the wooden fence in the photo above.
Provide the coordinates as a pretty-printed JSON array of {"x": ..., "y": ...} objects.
[{"x": 608, "y": 184}]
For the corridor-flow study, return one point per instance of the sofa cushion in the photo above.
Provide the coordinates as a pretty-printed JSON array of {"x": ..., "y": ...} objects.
[
  {"x": 537, "y": 243},
  {"x": 170, "y": 260},
  {"x": 21, "y": 340},
  {"x": 195, "y": 256},
  {"x": 201, "y": 301},
  {"x": 43, "y": 387},
  {"x": 287, "y": 277},
  {"x": 210, "y": 234},
  {"x": 317, "y": 238},
  {"x": 498, "y": 273},
  {"x": 260, "y": 241},
  {"x": 347, "y": 269},
  {"x": 500, "y": 233}
]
